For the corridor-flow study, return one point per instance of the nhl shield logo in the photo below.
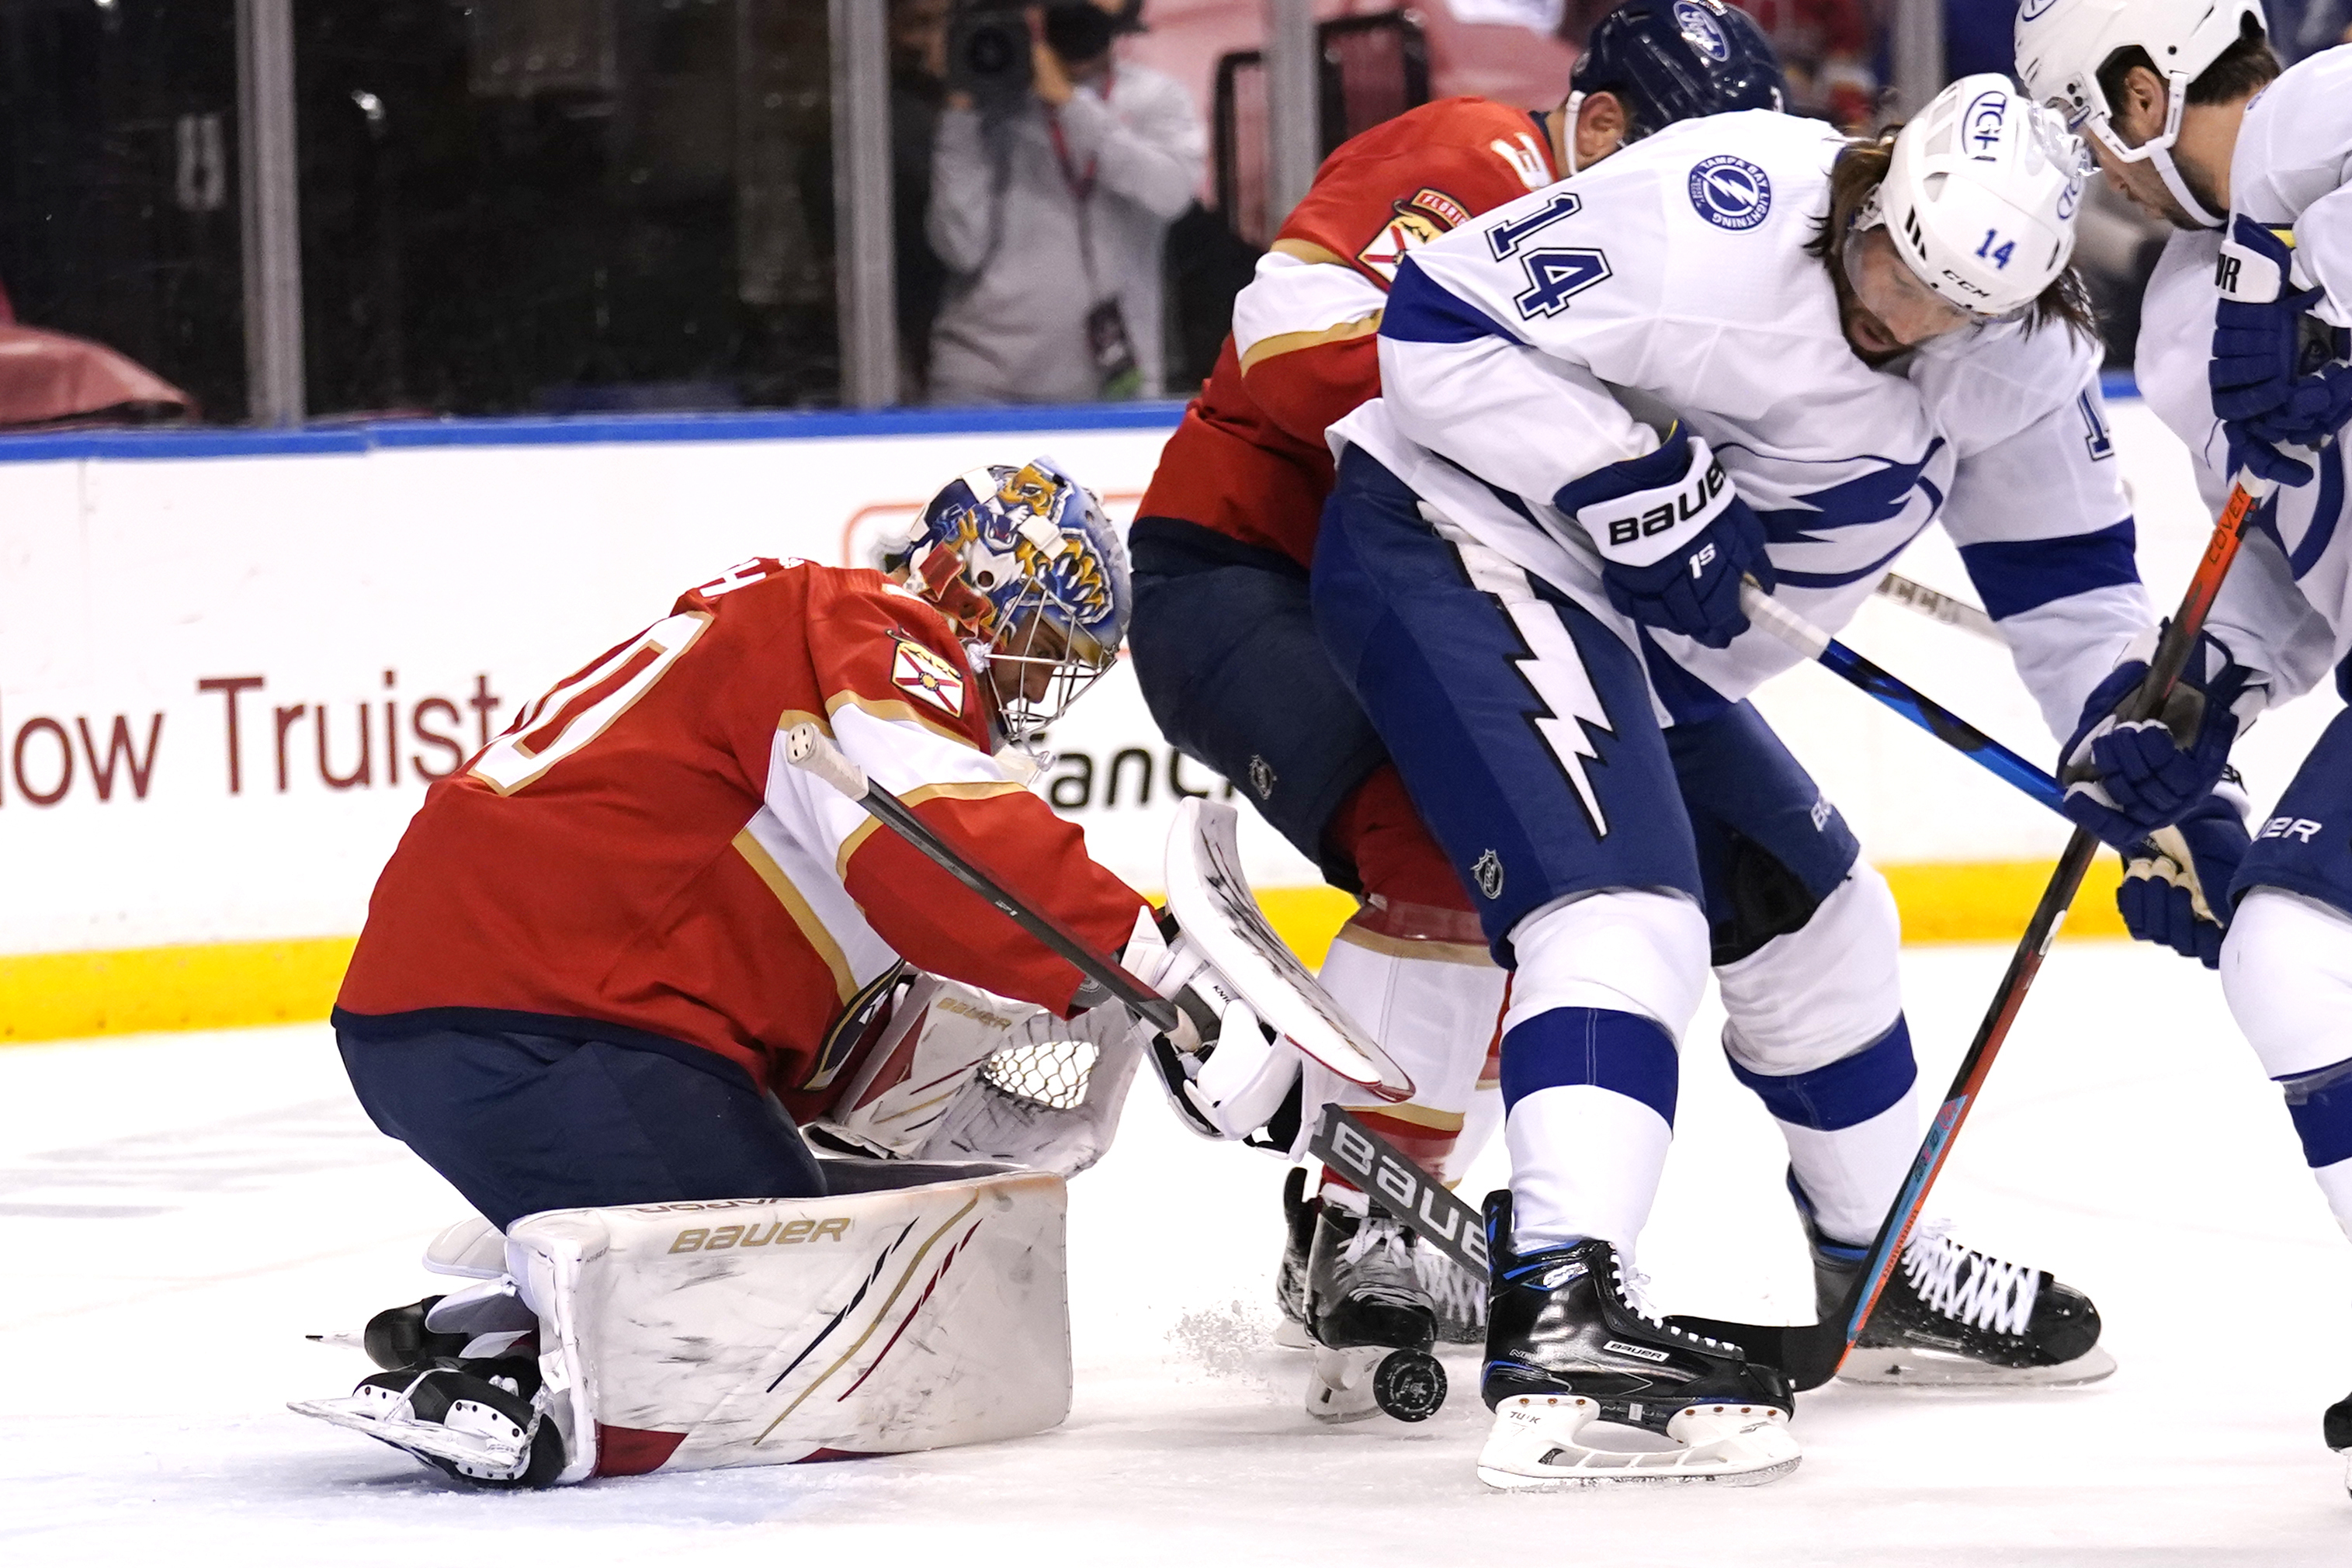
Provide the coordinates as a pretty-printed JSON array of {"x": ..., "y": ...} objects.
[
  {"x": 1489, "y": 871},
  {"x": 921, "y": 672},
  {"x": 1261, "y": 778}
]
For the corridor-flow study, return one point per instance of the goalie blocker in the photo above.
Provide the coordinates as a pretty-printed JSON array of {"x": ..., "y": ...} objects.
[{"x": 926, "y": 1313}]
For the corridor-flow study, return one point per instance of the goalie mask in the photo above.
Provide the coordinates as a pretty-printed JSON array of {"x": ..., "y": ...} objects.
[{"x": 1034, "y": 578}]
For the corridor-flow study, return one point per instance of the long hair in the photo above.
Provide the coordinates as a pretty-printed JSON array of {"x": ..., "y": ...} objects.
[{"x": 1861, "y": 168}]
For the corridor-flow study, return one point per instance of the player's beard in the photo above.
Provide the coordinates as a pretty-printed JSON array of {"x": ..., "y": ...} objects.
[{"x": 1854, "y": 317}]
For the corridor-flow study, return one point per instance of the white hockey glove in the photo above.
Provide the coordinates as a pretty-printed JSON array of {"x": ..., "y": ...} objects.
[{"x": 1227, "y": 1074}]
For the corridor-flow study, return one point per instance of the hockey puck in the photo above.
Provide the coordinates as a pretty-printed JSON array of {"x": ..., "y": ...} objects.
[{"x": 1409, "y": 1385}]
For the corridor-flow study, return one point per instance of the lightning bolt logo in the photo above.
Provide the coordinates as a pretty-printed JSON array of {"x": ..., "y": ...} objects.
[{"x": 1553, "y": 671}]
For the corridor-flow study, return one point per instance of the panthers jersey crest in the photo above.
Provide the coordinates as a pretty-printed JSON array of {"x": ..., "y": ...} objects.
[{"x": 921, "y": 672}]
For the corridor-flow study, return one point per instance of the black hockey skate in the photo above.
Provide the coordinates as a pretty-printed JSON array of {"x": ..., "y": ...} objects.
[
  {"x": 1569, "y": 1342},
  {"x": 2336, "y": 1427},
  {"x": 1372, "y": 1322},
  {"x": 1951, "y": 1317},
  {"x": 1298, "y": 1215},
  {"x": 482, "y": 1417}
]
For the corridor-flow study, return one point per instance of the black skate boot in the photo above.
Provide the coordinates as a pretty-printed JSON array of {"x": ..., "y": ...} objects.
[
  {"x": 1569, "y": 1342},
  {"x": 1298, "y": 1215},
  {"x": 1372, "y": 1322},
  {"x": 1951, "y": 1317},
  {"x": 482, "y": 1417},
  {"x": 2336, "y": 1427}
]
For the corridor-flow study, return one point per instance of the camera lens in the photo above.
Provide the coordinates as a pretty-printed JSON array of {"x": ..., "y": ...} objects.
[{"x": 989, "y": 52}]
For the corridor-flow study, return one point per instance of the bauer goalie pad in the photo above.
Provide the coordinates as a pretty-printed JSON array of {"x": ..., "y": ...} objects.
[
  {"x": 959, "y": 1074},
  {"x": 1218, "y": 916},
  {"x": 924, "y": 1308}
]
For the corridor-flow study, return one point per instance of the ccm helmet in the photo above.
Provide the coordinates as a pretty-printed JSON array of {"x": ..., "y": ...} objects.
[
  {"x": 1676, "y": 60},
  {"x": 1006, "y": 552},
  {"x": 1980, "y": 195},
  {"x": 2062, "y": 43}
]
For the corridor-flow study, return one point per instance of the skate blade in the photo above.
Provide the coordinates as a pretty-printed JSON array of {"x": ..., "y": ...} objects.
[
  {"x": 1290, "y": 1334},
  {"x": 478, "y": 1454},
  {"x": 1340, "y": 1383},
  {"x": 1535, "y": 1447},
  {"x": 1912, "y": 1366}
]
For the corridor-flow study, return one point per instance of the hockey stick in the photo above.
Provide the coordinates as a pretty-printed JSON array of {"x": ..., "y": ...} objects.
[
  {"x": 1811, "y": 1352},
  {"x": 810, "y": 749},
  {"x": 1929, "y": 715},
  {"x": 1941, "y": 608}
]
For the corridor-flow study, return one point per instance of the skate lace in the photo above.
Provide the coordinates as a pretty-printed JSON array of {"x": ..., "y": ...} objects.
[
  {"x": 1964, "y": 1285},
  {"x": 1381, "y": 1235},
  {"x": 1633, "y": 1290},
  {"x": 1456, "y": 1292}
]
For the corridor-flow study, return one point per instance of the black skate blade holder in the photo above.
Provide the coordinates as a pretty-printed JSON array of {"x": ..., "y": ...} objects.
[{"x": 1809, "y": 1354}]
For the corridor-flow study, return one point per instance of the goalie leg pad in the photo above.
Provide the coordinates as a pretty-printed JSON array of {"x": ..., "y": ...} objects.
[{"x": 922, "y": 1315}]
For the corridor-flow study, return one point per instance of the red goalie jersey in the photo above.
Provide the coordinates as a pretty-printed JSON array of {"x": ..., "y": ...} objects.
[
  {"x": 1249, "y": 460},
  {"x": 634, "y": 856}
]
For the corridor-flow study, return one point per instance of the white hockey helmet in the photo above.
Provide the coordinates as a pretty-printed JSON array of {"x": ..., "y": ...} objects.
[
  {"x": 2062, "y": 43},
  {"x": 1980, "y": 195}
]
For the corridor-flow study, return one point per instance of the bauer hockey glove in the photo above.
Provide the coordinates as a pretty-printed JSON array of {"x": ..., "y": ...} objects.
[
  {"x": 2125, "y": 780},
  {"x": 2180, "y": 896},
  {"x": 2273, "y": 375},
  {"x": 1226, "y": 1074},
  {"x": 1675, "y": 539}
]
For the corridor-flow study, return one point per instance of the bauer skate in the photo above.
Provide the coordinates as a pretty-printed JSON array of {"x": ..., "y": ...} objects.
[
  {"x": 1951, "y": 1317},
  {"x": 1372, "y": 1322},
  {"x": 1570, "y": 1343},
  {"x": 481, "y": 1417},
  {"x": 1298, "y": 1215}
]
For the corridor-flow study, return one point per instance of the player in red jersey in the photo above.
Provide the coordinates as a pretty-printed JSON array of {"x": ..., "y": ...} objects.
[
  {"x": 615, "y": 949},
  {"x": 1224, "y": 641}
]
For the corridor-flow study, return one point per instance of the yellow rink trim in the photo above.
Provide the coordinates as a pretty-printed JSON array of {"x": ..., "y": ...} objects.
[{"x": 239, "y": 985}]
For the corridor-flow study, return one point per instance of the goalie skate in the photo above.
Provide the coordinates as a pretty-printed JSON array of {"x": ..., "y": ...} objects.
[
  {"x": 1571, "y": 1343},
  {"x": 1951, "y": 1317},
  {"x": 475, "y": 1429}
]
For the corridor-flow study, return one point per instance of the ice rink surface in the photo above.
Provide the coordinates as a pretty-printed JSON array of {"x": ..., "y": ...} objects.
[{"x": 179, "y": 1211}]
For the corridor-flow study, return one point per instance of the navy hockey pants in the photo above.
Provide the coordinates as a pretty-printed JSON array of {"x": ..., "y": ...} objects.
[
  {"x": 521, "y": 1122},
  {"x": 1716, "y": 808}
]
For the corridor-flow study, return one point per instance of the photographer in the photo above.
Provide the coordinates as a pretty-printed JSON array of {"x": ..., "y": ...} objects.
[{"x": 1055, "y": 175}]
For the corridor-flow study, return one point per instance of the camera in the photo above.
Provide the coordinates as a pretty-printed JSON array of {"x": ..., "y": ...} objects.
[{"x": 988, "y": 53}]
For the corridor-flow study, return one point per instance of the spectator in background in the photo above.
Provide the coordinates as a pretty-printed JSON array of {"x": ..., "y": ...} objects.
[
  {"x": 1826, "y": 48},
  {"x": 919, "y": 52},
  {"x": 1049, "y": 203}
]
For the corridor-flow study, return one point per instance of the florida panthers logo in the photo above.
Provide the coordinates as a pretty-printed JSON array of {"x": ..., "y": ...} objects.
[{"x": 921, "y": 672}]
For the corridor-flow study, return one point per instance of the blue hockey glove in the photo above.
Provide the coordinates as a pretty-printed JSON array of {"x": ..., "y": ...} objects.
[
  {"x": 1675, "y": 539},
  {"x": 2125, "y": 780},
  {"x": 2272, "y": 381},
  {"x": 2180, "y": 896}
]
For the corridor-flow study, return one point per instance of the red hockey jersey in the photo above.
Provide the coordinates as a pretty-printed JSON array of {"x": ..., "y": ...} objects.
[
  {"x": 1249, "y": 460},
  {"x": 635, "y": 850}
]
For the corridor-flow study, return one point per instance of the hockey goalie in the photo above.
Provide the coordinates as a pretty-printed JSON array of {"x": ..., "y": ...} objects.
[{"x": 623, "y": 953}]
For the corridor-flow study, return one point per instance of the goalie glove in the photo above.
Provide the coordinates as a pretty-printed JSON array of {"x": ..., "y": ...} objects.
[
  {"x": 2179, "y": 894},
  {"x": 1226, "y": 1074}
]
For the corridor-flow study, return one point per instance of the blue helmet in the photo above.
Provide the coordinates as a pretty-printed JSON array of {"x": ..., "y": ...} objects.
[
  {"x": 1677, "y": 59},
  {"x": 1005, "y": 551}
]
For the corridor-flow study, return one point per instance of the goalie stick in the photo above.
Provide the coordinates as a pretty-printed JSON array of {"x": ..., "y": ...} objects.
[{"x": 810, "y": 749}]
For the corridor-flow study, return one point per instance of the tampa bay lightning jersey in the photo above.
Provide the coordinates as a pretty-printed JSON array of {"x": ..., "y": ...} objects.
[
  {"x": 1559, "y": 334},
  {"x": 2286, "y": 606}
]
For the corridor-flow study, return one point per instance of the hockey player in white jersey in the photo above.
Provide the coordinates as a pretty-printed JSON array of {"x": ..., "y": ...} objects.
[
  {"x": 1743, "y": 346},
  {"x": 2240, "y": 353}
]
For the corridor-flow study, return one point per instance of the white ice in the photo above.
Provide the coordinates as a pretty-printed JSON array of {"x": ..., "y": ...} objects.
[{"x": 179, "y": 1211}]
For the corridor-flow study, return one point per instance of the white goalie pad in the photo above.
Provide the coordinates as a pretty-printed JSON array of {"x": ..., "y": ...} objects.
[
  {"x": 959, "y": 1074},
  {"x": 1211, "y": 902},
  {"x": 694, "y": 1336}
]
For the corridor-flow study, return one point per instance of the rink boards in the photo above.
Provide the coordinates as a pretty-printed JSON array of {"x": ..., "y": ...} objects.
[{"x": 231, "y": 662}]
